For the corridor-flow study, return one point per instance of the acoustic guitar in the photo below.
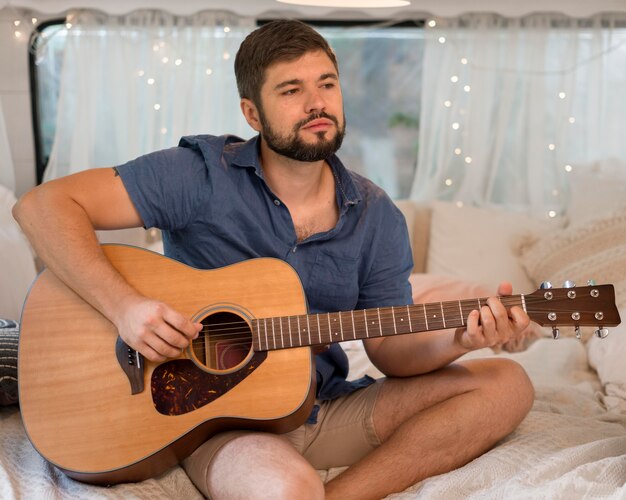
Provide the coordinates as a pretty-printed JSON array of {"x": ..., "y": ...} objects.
[{"x": 103, "y": 414}]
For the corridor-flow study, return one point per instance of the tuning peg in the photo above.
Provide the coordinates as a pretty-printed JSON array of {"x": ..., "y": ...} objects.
[
  {"x": 577, "y": 332},
  {"x": 568, "y": 284},
  {"x": 555, "y": 333},
  {"x": 602, "y": 333},
  {"x": 545, "y": 285},
  {"x": 591, "y": 283}
]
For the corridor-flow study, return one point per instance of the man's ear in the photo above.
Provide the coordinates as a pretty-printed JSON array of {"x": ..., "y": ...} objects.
[{"x": 250, "y": 113}]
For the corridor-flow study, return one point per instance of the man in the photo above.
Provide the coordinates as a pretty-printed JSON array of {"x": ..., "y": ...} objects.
[{"x": 285, "y": 194}]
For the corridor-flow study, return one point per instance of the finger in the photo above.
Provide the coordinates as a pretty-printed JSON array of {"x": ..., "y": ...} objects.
[
  {"x": 473, "y": 333},
  {"x": 175, "y": 339},
  {"x": 519, "y": 318},
  {"x": 503, "y": 329},
  {"x": 184, "y": 325},
  {"x": 149, "y": 353},
  {"x": 488, "y": 323},
  {"x": 505, "y": 288},
  {"x": 162, "y": 347}
]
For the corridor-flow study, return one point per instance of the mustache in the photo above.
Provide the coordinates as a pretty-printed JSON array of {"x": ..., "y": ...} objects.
[{"x": 317, "y": 116}]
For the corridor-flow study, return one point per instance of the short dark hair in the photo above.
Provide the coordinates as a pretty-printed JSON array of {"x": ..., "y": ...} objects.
[{"x": 277, "y": 41}]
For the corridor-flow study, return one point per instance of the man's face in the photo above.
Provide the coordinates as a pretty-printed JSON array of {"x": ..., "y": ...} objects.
[{"x": 301, "y": 115}]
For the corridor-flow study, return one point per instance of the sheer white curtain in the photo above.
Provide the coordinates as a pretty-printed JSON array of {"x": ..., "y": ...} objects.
[
  {"x": 137, "y": 83},
  {"x": 510, "y": 106},
  {"x": 7, "y": 173}
]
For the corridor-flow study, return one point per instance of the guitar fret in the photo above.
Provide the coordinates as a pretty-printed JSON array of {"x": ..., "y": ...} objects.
[
  {"x": 319, "y": 329},
  {"x": 265, "y": 328},
  {"x": 461, "y": 314},
  {"x": 308, "y": 325},
  {"x": 393, "y": 315},
  {"x": 408, "y": 313},
  {"x": 367, "y": 332},
  {"x": 380, "y": 326},
  {"x": 330, "y": 329},
  {"x": 425, "y": 316},
  {"x": 283, "y": 335},
  {"x": 435, "y": 320},
  {"x": 443, "y": 315},
  {"x": 299, "y": 332},
  {"x": 341, "y": 326},
  {"x": 353, "y": 325}
]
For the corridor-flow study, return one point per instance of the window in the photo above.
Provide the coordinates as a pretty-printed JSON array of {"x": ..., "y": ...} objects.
[
  {"x": 45, "y": 62},
  {"x": 380, "y": 68}
]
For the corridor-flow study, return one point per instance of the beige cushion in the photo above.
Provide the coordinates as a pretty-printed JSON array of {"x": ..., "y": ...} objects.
[{"x": 481, "y": 245}]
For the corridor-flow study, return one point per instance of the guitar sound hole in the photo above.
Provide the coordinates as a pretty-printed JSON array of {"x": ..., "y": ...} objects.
[{"x": 224, "y": 342}]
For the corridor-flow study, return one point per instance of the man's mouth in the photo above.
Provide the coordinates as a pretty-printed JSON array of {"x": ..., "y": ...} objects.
[{"x": 318, "y": 125}]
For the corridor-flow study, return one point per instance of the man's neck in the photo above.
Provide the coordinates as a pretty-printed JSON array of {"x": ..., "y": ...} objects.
[{"x": 293, "y": 181}]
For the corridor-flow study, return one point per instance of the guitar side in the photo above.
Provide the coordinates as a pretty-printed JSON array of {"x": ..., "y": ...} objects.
[{"x": 76, "y": 400}]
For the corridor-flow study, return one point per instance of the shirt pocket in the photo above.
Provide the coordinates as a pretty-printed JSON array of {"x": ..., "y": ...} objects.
[{"x": 334, "y": 282}]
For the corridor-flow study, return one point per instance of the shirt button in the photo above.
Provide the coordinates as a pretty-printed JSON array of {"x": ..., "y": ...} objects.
[
  {"x": 294, "y": 249},
  {"x": 277, "y": 202}
]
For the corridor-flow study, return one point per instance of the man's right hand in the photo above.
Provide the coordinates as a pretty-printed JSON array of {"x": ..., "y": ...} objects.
[{"x": 155, "y": 329}]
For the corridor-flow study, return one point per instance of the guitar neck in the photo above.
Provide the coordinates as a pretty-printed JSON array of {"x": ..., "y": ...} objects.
[{"x": 325, "y": 328}]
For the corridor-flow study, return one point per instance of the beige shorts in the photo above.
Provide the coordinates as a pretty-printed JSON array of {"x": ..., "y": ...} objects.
[{"x": 344, "y": 433}]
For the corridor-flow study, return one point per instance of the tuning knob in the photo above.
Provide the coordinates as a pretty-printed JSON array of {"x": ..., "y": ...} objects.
[
  {"x": 569, "y": 284},
  {"x": 545, "y": 285},
  {"x": 602, "y": 333},
  {"x": 555, "y": 333}
]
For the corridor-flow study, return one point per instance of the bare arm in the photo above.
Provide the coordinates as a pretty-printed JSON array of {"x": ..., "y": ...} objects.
[
  {"x": 60, "y": 218},
  {"x": 409, "y": 355}
]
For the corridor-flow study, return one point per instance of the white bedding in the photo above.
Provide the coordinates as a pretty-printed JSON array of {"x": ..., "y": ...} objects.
[{"x": 569, "y": 446}]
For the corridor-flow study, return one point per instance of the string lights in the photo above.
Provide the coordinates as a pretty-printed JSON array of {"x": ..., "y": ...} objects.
[{"x": 457, "y": 78}]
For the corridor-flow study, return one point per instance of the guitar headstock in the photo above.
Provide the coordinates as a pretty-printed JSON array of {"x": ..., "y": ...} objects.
[{"x": 576, "y": 306}]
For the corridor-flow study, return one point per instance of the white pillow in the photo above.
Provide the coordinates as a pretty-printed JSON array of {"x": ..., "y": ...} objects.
[
  {"x": 17, "y": 265},
  {"x": 607, "y": 357},
  {"x": 481, "y": 245}
]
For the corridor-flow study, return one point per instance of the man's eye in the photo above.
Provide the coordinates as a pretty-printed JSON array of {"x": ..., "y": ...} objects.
[{"x": 290, "y": 92}]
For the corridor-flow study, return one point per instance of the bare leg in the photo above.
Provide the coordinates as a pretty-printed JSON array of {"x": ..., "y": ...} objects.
[
  {"x": 262, "y": 466},
  {"x": 437, "y": 422}
]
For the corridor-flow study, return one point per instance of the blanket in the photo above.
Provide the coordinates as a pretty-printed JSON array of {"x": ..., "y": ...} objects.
[{"x": 568, "y": 447}]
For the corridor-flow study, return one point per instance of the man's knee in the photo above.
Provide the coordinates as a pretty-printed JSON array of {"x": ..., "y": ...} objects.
[
  {"x": 509, "y": 382},
  {"x": 262, "y": 466}
]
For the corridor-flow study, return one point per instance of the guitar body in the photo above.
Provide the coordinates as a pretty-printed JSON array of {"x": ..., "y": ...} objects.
[{"x": 77, "y": 400}]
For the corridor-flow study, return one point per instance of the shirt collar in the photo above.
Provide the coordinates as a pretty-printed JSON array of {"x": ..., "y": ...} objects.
[{"x": 248, "y": 154}]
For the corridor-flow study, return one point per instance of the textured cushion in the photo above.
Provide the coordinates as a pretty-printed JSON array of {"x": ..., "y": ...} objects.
[
  {"x": 480, "y": 245},
  {"x": 594, "y": 249},
  {"x": 9, "y": 338}
]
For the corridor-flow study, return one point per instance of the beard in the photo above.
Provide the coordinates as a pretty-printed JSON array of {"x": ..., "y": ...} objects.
[{"x": 292, "y": 146}]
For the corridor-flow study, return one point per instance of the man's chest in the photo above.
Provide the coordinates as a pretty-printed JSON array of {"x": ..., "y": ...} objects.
[{"x": 314, "y": 220}]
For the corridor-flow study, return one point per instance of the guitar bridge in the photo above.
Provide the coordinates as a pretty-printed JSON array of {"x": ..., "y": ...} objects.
[{"x": 131, "y": 363}]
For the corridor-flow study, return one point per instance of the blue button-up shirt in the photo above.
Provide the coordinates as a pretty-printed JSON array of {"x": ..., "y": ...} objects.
[{"x": 210, "y": 199}]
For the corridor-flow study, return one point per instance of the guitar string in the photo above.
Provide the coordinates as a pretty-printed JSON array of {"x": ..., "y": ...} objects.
[
  {"x": 450, "y": 309},
  {"x": 242, "y": 328}
]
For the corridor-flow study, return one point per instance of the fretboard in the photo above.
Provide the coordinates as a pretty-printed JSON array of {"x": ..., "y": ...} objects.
[{"x": 325, "y": 328}]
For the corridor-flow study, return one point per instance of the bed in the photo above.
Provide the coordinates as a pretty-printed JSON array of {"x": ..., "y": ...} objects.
[{"x": 571, "y": 445}]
